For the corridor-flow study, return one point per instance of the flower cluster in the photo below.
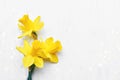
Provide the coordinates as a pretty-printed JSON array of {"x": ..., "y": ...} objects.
[{"x": 39, "y": 51}]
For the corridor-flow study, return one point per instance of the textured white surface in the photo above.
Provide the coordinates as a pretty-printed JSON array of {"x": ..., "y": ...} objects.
[{"x": 89, "y": 31}]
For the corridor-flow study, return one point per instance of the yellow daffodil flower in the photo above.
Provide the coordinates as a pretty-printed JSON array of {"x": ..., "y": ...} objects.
[
  {"x": 51, "y": 49},
  {"x": 40, "y": 50},
  {"x": 29, "y": 27},
  {"x": 32, "y": 54}
]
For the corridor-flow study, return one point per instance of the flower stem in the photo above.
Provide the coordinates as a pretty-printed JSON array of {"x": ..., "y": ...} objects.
[{"x": 31, "y": 69}]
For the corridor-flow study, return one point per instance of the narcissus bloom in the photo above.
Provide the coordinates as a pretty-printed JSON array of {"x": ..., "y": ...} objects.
[
  {"x": 51, "y": 49},
  {"x": 28, "y": 27},
  {"x": 32, "y": 54},
  {"x": 38, "y": 51}
]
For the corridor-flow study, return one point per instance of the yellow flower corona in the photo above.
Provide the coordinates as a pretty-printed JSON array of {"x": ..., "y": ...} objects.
[
  {"x": 52, "y": 48},
  {"x": 28, "y": 26}
]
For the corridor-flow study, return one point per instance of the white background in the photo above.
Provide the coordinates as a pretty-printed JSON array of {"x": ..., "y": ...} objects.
[{"x": 88, "y": 29}]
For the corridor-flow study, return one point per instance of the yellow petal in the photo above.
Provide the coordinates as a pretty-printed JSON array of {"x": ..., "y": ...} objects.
[
  {"x": 20, "y": 49},
  {"x": 25, "y": 25},
  {"x": 38, "y": 26},
  {"x": 54, "y": 58},
  {"x": 25, "y": 21},
  {"x": 36, "y": 44},
  {"x": 26, "y": 49},
  {"x": 53, "y": 48},
  {"x": 28, "y": 61},
  {"x": 37, "y": 20},
  {"x": 25, "y": 34},
  {"x": 21, "y": 27},
  {"x": 43, "y": 54},
  {"x": 59, "y": 45},
  {"x": 49, "y": 40},
  {"x": 26, "y": 44},
  {"x": 38, "y": 62}
]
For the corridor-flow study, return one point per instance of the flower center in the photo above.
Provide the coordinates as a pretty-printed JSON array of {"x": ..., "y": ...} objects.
[
  {"x": 34, "y": 35},
  {"x": 34, "y": 52}
]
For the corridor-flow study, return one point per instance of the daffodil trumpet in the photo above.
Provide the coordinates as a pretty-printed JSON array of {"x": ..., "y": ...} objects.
[{"x": 39, "y": 51}]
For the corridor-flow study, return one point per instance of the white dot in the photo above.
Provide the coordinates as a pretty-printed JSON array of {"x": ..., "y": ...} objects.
[
  {"x": 100, "y": 65},
  {"x": 117, "y": 33},
  {"x": 104, "y": 56},
  {"x": 113, "y": 31}
]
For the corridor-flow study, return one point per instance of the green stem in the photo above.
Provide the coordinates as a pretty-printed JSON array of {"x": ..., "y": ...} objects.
[{"x": 31, "y": 69}]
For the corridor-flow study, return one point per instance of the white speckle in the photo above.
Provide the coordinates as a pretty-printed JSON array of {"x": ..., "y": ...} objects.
[
  {"x": 116, "y": 33},
  {"x": 113, "y": 31},
  {"x": 104, "y": 56},
  {"x": 12, "y": 48},
  {"x": 100, "y": 65}
]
